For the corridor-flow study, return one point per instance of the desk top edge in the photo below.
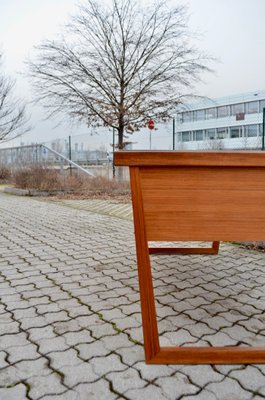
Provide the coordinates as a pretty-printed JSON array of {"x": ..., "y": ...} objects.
[{"x": 190, "y": 158}]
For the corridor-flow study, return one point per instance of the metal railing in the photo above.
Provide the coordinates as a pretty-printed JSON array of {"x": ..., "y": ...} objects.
[{"x": 40, "y": 154}]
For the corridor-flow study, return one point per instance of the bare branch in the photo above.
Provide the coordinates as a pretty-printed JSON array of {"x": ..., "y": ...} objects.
[
  {"x": 13, "y": 119},
  {"x": 118, "y": 65}
]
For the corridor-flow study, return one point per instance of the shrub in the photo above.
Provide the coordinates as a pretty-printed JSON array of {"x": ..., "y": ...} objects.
[
  {"x": 84, "y": 186},
  {"x": 5, "y": 173},
  {"x": 36, "y": 177}
]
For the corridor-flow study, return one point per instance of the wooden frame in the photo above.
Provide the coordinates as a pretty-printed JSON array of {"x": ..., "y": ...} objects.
[{"x": 190, "y": 196}]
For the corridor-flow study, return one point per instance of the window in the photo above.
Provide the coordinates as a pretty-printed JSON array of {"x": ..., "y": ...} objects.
[
  {"x": 185, "y": 136},
  {"x": 237, "y": 108},
  {"x": 210, "y": 113},
  {"x": 236, "y": 131},
  {"x": 198, "y": 135},
  {"x": 222, "y": 133},
  {"x": 251, "y": 130},
  {"x": 179, "y": 118},
  {"x": 199, "y": 115},
  {"x": 187, "y": 116},
  {"x": 223, "y": 112},
  {"x": 252, "y": 107},
  {"x": 261, "y": 105},
  {"x": 210, "y": 134}
]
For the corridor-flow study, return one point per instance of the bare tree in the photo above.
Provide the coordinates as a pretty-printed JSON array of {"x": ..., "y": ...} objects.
[
  {"x": 13, "y": 119},
  {"x": 118, "y": 65}
]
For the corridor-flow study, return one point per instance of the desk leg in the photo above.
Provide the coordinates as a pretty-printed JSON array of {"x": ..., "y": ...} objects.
[{"x": 150, "y": 329}]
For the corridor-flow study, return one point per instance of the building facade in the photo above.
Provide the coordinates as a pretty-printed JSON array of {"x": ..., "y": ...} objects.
[{"x": 233, "y": 122}]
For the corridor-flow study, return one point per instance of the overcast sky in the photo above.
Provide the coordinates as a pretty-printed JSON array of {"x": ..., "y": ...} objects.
[{"x": 232, "y": 31}]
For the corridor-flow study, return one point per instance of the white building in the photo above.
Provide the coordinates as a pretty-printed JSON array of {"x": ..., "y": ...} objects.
[{"x": 233, "y": 122}]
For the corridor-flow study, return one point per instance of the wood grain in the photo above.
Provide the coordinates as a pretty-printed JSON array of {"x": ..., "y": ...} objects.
[
  {"x": 179, "y": 196},
  {"x": 190, "y": 158},
  {"x": 186, "y": 204},
  {"x": 150, "y": 329}
]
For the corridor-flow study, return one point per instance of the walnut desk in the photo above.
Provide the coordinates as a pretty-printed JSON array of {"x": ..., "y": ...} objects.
[{"x": 193, "y": 196}]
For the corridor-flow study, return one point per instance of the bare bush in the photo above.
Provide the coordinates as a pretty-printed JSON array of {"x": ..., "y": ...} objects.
[
  {"x": 36, "y": 177},
  {"x": 43, "y": 178},
  {"x": 5, "y": 173}
]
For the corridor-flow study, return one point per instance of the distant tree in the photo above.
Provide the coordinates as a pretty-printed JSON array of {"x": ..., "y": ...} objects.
[
  {"x": 13, "y": 119},
  {"x": 118, "y": 65}
]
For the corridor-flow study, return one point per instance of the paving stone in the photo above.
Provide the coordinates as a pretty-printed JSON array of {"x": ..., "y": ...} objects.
[
  {"x": 30, "y": 368},
  {"x": 43, "y": 385},
  {"x": 89, "y": 350},
  {"x": 203, "y": 395},
  {"x": 52, "y": 344},
  {"x": 175, "y": 386},
  {"x": 82, "y": 373},
  {"x": 125, "y": 380},
  {"x": 151, "y": 372},
  {"x": 150, "y": 392},
  {"x": 250, "y": 378},
  {"x": 20, "y": 353},
  {"x": 67, "y": 395},
  {"x": 17, "y": 392},
  {"x": 200, "y": 376},
  {"x": 104, "y": 365},
  {"x": 94, "y": 391},
  {"x": 7, "y": 341},
  {"x": 228, "y": 389},
  {"x": 90, "y": 279},
  {"x": 75, "y": 338},
  {"x": 60, "y": 359},
  {"x": 36, "y": 334}
]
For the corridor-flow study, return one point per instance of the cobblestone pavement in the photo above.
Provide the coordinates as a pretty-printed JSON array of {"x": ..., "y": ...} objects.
[{"x": 70, "y": 325}]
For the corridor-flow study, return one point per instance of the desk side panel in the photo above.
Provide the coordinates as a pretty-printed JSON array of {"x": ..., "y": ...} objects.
[{"x": 204, "y": 203}]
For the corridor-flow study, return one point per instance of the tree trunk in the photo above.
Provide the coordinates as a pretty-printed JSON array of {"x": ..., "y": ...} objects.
[{"x": 120, "y": 147}]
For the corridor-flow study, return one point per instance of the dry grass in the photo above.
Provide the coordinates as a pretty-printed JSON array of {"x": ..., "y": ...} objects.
[{"x": 71, "y": 185}]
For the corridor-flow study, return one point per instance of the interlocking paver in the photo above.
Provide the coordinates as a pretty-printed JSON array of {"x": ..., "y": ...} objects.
[
  {"x": 70, "y": 323},
  {"x": 17, "y": 392}
]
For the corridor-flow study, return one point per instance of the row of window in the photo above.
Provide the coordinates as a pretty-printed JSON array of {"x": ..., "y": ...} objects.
[
  {"x": 232, "y": 132},
  {"x": 251, "y": 107}
]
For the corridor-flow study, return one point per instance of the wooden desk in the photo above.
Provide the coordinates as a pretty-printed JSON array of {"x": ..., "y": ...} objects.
[{"x": 193, "y": 196}]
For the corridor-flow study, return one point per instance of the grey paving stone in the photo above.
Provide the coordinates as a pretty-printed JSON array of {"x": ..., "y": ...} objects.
[
  {"x": 89, "y": 350},
  {"x": 36, "y": 334},
  {"x": 131, "y": 355},
  {"x": 67, "y": 395},
  {"x": 60, "y": 359},
  {"x": 201, "y": 375},
  {"x": 8, "y": 377},
  {"x": 17, "y": 392},
  {"x": 203, "y": 395},
  {"x": 20, "y": 353},
  {"x": 45, "y": 385},
  {"x": 95, "y": 391},
  {"x": 75, "y": 338},
  {"x": 31, "y": 368},
  {"x": 125, "y": 380},
  {"x": 150, "y": 392},
  {"x": 175, "y": 386},
  {"x": 151, "y": 372},
  {"x": 104, "y": 365},
  {"x": 228, "y": 389},
  {"x": 250, "y": 378},
  {"x": 81, "y": 373},
  {"x": 52, "y": 344},
  {"x": 89, "y": 279}
]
